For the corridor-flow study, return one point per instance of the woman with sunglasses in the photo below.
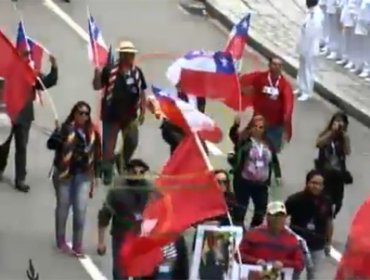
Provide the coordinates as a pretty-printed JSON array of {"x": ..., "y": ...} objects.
[
  {"x": 254, "y": 161},
  {"x": 77, "y": 147}
]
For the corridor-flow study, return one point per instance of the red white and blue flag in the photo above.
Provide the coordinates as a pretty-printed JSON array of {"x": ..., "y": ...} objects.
[
  {"x": 97, "y": 48},
  {"x": 238, "y": 37},
  {"x": 37, "y": 52},
  {"x": 205, "y": 74},
  {"x": 34, "y": 50},
  {"x": 186, "y": 116},
  {"x": 22, "y": 44}
]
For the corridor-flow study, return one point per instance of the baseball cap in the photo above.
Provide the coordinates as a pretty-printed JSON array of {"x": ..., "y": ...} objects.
[{"x": 276, "y": 207}]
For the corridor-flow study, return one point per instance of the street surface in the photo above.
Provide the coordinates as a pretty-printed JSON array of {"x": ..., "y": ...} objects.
[{"x": 27, "y": 222}]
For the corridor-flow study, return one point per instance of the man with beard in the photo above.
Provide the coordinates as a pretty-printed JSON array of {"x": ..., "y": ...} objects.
[{"x": 124, "y": 95}]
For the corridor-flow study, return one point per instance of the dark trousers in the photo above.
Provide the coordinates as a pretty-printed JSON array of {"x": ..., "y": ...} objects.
[
  {"x": 334, "y": 188},
  {"x": 130, "y": 139},
  {"x": 171, "y": 135},
  {"x": 20, "y": 132},
  {"x": 244, "y": 191}
]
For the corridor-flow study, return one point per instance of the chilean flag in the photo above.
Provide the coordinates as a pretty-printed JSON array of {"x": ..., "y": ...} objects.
[
  {"x": 238, "y": 37},
  {"x": 37, "y": 52},
  {"x": 205, "y": 74},
  {"x": 34, "y": 57},
  {"x": 185, "y": 116},
  {"x": 97, "y": 49},
  {"x": 22, "y": 44}
]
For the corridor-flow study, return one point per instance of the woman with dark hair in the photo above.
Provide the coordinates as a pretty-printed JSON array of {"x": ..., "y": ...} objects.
[
  {"x": 334, "y": 146},
  {"x": 77, "y": 149},
  {"x": 254, "y": 161}
]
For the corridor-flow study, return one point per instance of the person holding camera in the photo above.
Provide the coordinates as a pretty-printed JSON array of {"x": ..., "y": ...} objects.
[{"x": 334, "y": 147}]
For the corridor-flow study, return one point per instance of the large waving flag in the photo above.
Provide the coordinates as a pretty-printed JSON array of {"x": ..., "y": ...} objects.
[
  {"x": 168, "y": 214},
  {"x": 205, "y": 74},
  {"x": 186, "y": 116},
  {"x": 97, "y": 49},
  {"x": 19, "y": 78},
  {"x": 238, "y": 37}
]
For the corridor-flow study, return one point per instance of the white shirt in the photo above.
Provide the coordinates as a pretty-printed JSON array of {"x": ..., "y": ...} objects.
[{"x": 311, "y": 33}]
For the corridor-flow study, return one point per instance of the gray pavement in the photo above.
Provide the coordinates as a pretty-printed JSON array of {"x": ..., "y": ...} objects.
[
  {"x": 274, "y": 30},
  {"x": 26, "y": 227}
]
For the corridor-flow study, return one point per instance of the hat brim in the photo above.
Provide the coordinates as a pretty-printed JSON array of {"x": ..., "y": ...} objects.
[
  {"x": 277, "y": 212},
  {"x": 126, "y": 50}
]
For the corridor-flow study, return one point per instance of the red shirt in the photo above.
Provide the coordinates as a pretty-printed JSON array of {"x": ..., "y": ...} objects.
[
  {"x": 276, "y": 110},
  {"x": 259, "y": 244}
]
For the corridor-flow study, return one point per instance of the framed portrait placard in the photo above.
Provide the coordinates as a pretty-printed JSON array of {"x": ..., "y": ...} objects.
[
  {"x": 214, "y": 251},
  {"x": 254, "y": 272}
]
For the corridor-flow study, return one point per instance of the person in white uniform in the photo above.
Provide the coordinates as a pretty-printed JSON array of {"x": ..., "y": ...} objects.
[
  {"x": 332, "y": 15},
  {"x": 362, "y": 29},
  {"x": 348, "y": 21},
  {"x": 308, "y": 48}
]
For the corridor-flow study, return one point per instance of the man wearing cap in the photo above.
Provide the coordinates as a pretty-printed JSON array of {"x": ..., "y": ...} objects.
[
  {"x": 124, "y": 88},
  {"x": 22, "y": 126},
  {"x": 272, "y": 243}
]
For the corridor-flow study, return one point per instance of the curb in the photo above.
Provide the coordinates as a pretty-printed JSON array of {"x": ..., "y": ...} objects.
[
  {"x": 291, "y": 70},
  {"x": 196, "y": 8}
]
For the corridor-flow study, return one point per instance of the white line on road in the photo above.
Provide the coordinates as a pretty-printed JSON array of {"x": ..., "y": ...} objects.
[
  {"x": 90, "y": 267},
  {"x": 67, "y": 19},
  {"x": 336, "y": 255}
]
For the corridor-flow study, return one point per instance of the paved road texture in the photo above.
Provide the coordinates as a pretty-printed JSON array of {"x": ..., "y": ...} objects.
[{"x": 27, "y": 226}]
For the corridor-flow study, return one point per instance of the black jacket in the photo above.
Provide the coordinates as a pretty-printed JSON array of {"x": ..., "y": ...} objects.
[{"x": 27, "y": 115}]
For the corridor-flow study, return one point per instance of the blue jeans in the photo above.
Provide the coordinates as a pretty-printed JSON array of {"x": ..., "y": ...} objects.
[
  {"x": 72, "y": 192},
  {"x": 275, "y": 136},
  {"x": 317, "y": 259}
]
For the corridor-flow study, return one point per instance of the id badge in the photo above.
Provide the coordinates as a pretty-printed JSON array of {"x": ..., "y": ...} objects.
[
  {"x": 130, "y": 81},
  {"x": 311, "y": 226},
  {"x": 259, "y": 163},
  {"x": 138, "y": 216},
  {"x": 266, "y": 90},
  {"x": 274, "y": 91}
]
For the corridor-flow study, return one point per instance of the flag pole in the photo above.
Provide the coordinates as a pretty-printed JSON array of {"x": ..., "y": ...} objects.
[
  {"x": 50, "y": 100},
  {"x": 210, "y": 167}
]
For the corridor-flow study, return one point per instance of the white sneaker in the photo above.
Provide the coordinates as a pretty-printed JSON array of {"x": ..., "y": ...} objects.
[
  {"x": 332, "y": 56},
  {"x": 364, "y": 73},
  {"x": 349, "y": 65},
  {"x": 341, "y": 61},
  {"x": 304, "y": 97}
]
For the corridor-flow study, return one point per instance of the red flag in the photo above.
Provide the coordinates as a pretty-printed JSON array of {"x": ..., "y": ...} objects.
[
  {"x": 19, "y": 78},
  {"x": 188, "y": 193},
  {"x": 356, "y": 258}
]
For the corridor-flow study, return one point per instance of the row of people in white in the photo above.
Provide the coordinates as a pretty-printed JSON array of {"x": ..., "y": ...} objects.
[{"x": 346, "y": 34}]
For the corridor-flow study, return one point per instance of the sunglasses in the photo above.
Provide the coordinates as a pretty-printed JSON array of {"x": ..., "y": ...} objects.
[{"x": 83, "y": 113}]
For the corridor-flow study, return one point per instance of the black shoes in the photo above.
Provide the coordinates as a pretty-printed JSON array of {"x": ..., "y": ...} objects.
[{"x": 22, "y": 187}]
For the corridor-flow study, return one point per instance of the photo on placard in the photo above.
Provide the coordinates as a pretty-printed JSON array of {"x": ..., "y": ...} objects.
[
  {"x": 214, "y": 252},
  {"x": 256, "y": 272}
]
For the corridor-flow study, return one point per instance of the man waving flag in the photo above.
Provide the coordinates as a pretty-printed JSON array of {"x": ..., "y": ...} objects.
[
  {"x": 237, "y": 39},
  {"x": 97, "y": 48}
]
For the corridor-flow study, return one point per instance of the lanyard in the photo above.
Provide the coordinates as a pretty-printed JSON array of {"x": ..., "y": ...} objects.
[
  {"x": 259, "y": 147},
  {"x": 270, "y": 81}
]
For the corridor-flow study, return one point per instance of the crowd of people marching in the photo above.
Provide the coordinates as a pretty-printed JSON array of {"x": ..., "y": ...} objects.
[{"x": 296, "y": 233}]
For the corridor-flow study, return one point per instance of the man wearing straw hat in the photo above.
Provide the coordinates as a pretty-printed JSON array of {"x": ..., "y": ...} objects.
[
  {"x": 21, "y": 128},
  {"x": 124, "y": 88}
]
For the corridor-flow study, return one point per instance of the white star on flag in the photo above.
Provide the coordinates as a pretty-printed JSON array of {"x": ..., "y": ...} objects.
[{"x": 147, "y": 226}]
